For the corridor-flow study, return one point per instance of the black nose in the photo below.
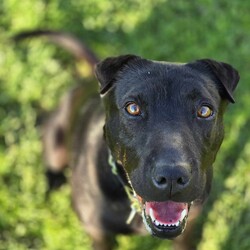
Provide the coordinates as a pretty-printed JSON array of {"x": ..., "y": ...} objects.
[{"x": 172, "y": 179}]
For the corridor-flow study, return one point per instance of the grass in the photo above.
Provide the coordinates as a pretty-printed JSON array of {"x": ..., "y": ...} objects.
[{"x": 35, "y": 74}]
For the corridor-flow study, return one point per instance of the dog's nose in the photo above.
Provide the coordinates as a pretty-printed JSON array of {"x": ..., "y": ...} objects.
[{"x": 171, "y": 179}]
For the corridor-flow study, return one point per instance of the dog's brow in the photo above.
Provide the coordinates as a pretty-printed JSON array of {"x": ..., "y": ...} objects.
[{"x": 193, "y": 94}]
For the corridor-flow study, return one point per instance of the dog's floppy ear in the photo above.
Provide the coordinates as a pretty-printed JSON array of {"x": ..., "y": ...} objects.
[
  {"x": 225, "y": 74},
  {"x": 107, "y": 70}
]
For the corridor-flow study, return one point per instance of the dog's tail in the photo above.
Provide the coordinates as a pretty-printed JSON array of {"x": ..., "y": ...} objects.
[
  {"x": 56, "y": 127},
  {"x": 67, "y": 41}
]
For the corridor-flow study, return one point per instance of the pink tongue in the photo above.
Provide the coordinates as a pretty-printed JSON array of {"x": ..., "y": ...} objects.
[{"x": 166, "y": 212}]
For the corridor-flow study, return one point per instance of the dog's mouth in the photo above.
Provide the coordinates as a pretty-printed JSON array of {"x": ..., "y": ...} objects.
[{"x": 165, "y": 219}]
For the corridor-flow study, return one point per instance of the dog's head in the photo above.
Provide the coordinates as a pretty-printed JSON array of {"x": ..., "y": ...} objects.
[{"x": 164, "y": 127}]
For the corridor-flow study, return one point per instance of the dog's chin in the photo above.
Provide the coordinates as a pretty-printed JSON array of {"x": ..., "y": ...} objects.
[{"x": 165, "y": 219}]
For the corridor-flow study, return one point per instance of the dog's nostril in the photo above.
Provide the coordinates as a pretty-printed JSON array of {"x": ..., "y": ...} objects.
[
  {"x": 161, "y": 180},
  {"x": 181, "y": 181}
]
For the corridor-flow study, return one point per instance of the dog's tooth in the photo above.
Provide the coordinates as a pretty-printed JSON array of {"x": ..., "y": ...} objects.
[
  {"x": 183, "y": 214},
  {"x": 151, "y": 213},
  {"x": 157, "y": 223}
]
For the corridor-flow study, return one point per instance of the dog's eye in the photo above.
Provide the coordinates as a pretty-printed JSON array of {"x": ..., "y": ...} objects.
[
  {"x": 205, "y": 112},
  {"x": 133, "y": 109}
]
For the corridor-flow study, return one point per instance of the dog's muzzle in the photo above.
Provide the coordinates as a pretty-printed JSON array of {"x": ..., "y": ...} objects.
[{"x": 165, "y": 219}]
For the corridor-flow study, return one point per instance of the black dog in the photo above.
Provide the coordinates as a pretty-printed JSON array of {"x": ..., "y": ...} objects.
[{"x": 163, "y": 126}]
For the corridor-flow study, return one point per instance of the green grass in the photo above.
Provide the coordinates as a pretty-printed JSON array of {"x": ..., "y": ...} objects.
[{"x": 35, "y": 74}]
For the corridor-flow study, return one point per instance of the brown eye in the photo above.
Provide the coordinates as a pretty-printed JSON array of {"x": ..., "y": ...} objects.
[
  {"x": 133, "y": 109},
  {"x": 205, "y": 112}
]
